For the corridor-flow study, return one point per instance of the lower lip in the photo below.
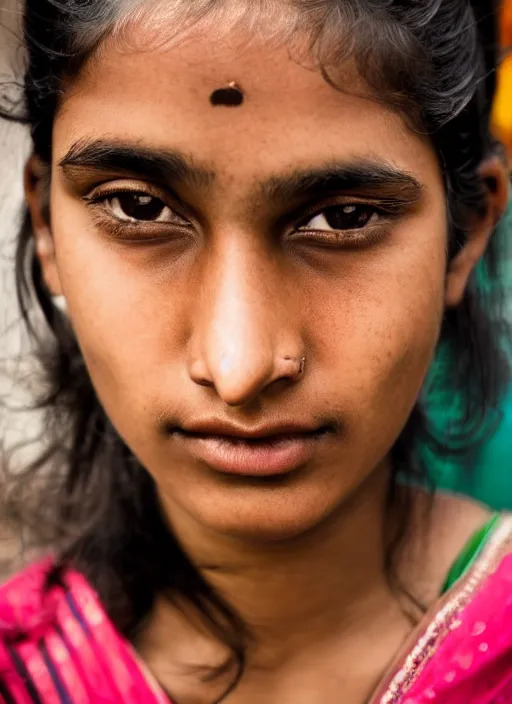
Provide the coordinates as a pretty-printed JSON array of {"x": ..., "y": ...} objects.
[{"x": 251, "y": 459}]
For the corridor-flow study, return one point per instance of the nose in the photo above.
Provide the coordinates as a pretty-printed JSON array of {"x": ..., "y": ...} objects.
[{"x": 246, "y": 337}]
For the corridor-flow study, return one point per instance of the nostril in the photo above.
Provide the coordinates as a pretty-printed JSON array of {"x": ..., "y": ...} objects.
[{"x": 200, "y": 374}]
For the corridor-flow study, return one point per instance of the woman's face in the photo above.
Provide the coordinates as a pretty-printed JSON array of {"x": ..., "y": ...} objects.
[{"x": 205, "y": 251}]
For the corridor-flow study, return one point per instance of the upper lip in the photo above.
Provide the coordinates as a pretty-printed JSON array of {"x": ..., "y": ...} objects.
[{"x": 221, "y": 428}]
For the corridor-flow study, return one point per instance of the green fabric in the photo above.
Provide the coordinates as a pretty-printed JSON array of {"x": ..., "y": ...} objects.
[{"x": 471, "y": 551}]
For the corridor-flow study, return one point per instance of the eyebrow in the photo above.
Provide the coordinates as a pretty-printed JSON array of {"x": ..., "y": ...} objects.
[
  {"x": 153, "y": 164},
  {"x": 364, "y": 176}
]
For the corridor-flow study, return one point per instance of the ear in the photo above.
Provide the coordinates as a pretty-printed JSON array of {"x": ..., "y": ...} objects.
[
  {"x": 496, "y": 179},
  {"x": 37, "y": 186}
]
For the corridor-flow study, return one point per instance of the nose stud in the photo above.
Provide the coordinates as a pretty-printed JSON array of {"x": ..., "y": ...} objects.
[{"x": 294, "y": 368}]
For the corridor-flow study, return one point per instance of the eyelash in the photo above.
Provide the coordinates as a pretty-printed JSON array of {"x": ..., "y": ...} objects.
[
  {"x": 144, "y": 231},
  {"x": 136, "y": 231},
  {"x": 360, "y": 237}
]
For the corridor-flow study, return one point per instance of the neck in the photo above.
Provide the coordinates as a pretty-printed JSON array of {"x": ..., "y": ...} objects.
[{"x": 329, "y": 580}]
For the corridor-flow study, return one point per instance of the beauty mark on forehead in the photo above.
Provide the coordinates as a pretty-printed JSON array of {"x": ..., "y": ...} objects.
[{"x": 230, "y": 97}]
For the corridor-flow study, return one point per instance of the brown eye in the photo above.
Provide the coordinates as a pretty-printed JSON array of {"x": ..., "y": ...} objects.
[
  {"x": 342, "y": 217},
  {"x": 138, "y": 207}
]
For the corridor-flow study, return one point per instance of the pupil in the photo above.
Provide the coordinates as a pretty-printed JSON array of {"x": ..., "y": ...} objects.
[
  {"x": 347, "y": 217},
  {"x": 141, "y": 207}
]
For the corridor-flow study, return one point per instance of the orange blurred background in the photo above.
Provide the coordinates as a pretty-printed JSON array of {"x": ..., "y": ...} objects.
[{"x": 503, "y": 107}]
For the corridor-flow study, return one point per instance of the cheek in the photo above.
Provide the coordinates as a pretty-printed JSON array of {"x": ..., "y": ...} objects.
[
  {"x": 129, "y": 318},
  {"x": 371, "y": 322},
  {"x": 378, "y": 337}
]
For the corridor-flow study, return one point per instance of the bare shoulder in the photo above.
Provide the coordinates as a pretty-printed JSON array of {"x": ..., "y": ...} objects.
[
  {"x": 442, "y": 528},
  {"x": 455, "y": 519}
]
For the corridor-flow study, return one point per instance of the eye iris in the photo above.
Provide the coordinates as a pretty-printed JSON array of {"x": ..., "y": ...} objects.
[
  {"x": 141, "y": 207},
  {"x": 348, "y": 217}
]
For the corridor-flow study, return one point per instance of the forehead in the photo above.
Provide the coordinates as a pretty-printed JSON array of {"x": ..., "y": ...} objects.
[{"x": 291, "y": 115}]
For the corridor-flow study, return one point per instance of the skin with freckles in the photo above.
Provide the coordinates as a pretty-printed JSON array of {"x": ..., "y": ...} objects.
[
  {"x": 203, "y": 253},
  {"x": 224, "y": 298}
]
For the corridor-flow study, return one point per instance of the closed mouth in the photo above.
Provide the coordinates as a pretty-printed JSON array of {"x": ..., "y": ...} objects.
[
  {"x": 261, "y": 452},
  {"x": 268, "y": 439}
]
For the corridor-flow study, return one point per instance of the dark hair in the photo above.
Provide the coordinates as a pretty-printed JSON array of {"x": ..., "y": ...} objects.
[{"x": 433, "y": 60}]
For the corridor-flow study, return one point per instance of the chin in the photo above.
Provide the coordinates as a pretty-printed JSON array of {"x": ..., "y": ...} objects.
[
  {"x": 270, "y": 514},
  {"x": 268, "y": 529}
]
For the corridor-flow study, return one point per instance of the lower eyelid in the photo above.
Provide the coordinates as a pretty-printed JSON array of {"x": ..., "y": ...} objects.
[
  {"x": 371, "y": 234},
  {"x": 127, "y": 232},
  {"x": 137, "y": 231}
]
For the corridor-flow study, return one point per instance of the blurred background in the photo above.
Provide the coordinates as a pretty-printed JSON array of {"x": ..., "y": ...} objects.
[
  {"x": 503, "y": 108},
  {"x": 17, "y": 427},
  {"x": 490, "y": 477}
]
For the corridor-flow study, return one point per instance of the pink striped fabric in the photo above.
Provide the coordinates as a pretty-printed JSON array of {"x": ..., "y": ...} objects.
[
  {"x": 57, "y": 646},
  {"x": 60, "y": 647}
]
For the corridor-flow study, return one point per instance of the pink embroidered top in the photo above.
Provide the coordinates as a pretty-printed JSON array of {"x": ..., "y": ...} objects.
[{"x": 58, "y": 646}]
